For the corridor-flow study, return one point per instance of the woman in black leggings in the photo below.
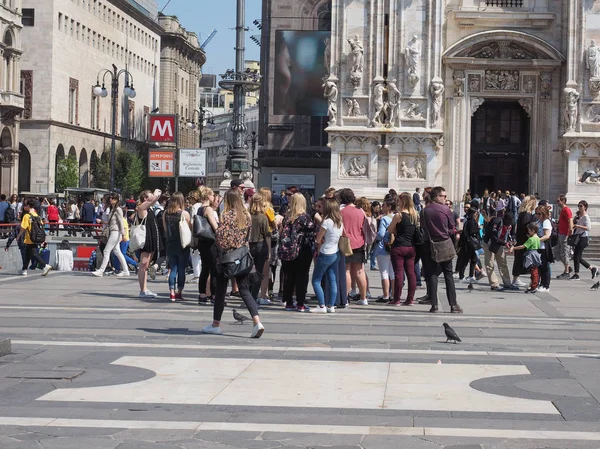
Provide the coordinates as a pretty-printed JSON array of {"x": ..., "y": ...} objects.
[
  {"x": 581, "y": 227},
  {"x": 207, "y": 248}
]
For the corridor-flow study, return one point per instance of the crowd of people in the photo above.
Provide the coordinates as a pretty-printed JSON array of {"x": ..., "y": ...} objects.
[{"x": 408, "y": 237}]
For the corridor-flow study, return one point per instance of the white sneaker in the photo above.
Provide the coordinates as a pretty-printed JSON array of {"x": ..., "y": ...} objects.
[
  {"x": 352, "y": 293},
  {"x": 543, "y": 289},
  {"x": 214, "y": 330},
  {"x": 264, "y": 302},
  {"x": 258, "y": 330},
  {"x": 469, "y": 280},
  {"x": 148, "y": 294},
  {"x": 152, "y": 272},
  {"x": 23, "y": 272},
  {"x": 318, "y": 309},
  {"x": 362, "y": 302},
  {"x": 519, "y": 283},
  {"x": 98, "y": 273},
  {"x": 330, "y": 309},
  {"x": 122, "y": 274}
]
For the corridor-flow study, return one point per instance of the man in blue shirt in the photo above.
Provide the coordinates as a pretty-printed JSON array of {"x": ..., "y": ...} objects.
[{"x": 3, "y": 206}]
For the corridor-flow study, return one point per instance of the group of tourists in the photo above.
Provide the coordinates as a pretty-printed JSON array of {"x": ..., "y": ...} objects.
[{"x": 407, "y": 236}]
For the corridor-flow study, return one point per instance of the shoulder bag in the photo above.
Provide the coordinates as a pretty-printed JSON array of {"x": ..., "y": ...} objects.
[
  {"x": 442, "y": 251},
  {"x": 235, "y": 263},
  {"x": 344, "y": 245},
  {"x": 202, "y": 228},
  {"x": 106, "y": 231},
  {"x": 185, "y": 233},
  {"x": 137, "y": 235}
]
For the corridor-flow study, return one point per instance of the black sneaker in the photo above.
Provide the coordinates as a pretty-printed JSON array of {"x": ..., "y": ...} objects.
[
  {"x": 563, "y": 276},
  {"x": 575, "y": 277},
  {"x": 594, "y": 272}
]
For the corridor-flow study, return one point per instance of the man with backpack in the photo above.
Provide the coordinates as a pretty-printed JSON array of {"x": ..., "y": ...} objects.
[
  {"x": 32, "y": 229},
  {"x": 496, "y": 241}
]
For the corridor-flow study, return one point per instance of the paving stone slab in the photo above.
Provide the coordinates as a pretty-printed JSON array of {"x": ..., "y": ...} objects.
[
  {"x": 5, "y": 346},
  {"x": 78, "y": 443}
]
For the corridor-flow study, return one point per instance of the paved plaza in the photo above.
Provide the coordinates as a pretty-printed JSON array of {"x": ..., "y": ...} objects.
[{"x": 95, "y": 367}]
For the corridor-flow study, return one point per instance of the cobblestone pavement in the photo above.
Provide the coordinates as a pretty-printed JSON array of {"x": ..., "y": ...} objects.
[{"x": 95, "y": 367}]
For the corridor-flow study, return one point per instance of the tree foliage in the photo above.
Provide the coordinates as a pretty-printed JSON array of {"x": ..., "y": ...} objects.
[
  {"x": 130, "y": 171},
  {"x": 67, "y": 173}
]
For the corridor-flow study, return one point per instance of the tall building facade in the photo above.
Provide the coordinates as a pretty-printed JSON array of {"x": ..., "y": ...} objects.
[
  {"x": 292, "y": 139},
  {"x": 181, "y": 69},
  {"x": 66, "y": 51},
  {"x": 497, "y": 94},
  {"x": 12, "y": 104}
]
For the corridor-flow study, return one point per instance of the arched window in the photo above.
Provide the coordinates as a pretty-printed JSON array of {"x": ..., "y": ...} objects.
[
  {"x": 6, "y": 139},
  {"x": 324, "y": 16},
  {"x": 8, "y": 39},
  {"x": 24, "y": 169}
]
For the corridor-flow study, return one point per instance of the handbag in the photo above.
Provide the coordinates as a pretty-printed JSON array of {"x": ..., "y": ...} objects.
[
  {"x": 473, "y": 243},
  {"x": 573, "y": 240},
  {"x": 185, "y": 233},
  {"x": 235, "y": 263},
  {"x": 388, "y": 245},
  {"x": 202, "y": 228},
  {"x": 418, "y": 236},
  {"x": 442, "y": 251},
  {"x": 106, "y": 231},
  {"x": 344, "y": 245},
  {"x": 137, "y": 235}
]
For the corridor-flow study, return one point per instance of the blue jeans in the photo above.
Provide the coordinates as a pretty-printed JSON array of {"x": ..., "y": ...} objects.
[
  {"x": 177, "y": 264},
  {"x": 123, "y": 246},
  {"x": 326, "y": 265}
]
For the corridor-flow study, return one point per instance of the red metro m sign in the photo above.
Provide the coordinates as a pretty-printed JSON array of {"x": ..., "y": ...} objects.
[{"x": 162, "y": 128}]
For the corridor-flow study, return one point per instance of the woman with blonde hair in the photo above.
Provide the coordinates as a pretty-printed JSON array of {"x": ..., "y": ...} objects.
[
  {"x": 116, "y": 232},
  {"x": 327, "y": 240},
  {"x": 296, "y": 251},
  {"x": 207, "y": 248},
  {"x": 260, "y": 243},
  {"x": 232, "y": 234},
  {"x": 403, "y": 227},
  {"x": 177, "y": 255},
  {"x": 526, "y": 216},
  {"x": 266, "y": 195}
]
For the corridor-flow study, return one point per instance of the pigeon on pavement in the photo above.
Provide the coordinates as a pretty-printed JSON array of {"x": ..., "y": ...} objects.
[
  {"x": 450, "y": 334},
  {"x": 470, "y": 288},
  {"x": 596, "y": 286},
  {"x": 238, "y": 317}
]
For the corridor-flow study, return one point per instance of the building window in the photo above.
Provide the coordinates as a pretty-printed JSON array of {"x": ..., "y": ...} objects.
[
  {"x": 28, "y": 17},
  {"x": 504, "y": 3},
  {"x": 73, "y": 101},
  {"x": 94, "y": 122},
  {"x": 27, "y": 91}
]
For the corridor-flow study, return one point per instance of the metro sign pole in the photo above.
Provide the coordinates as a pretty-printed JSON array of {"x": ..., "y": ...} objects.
[{"x": 163, "y": 130}]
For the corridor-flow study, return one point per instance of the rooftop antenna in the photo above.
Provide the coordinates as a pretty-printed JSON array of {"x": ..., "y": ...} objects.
[{"x": 208, "y": 39}]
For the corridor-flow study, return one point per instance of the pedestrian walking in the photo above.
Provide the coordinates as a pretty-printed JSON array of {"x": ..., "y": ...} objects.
[
  {"x": 115, "y": 236},
  {"x": 208, "y": 248},
  {"x": 177, "y": 254},
  {"x": 152, "y": 245},
  {"x": 582, "y": 226}
]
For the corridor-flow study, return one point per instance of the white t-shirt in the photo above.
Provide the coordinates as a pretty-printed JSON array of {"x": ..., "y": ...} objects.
[
  {"x": 332, "y": 237},
  {"x": 546, "y": 225}
]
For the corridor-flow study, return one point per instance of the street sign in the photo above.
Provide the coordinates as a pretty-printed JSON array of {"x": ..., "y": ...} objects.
[
  {"x": 162, "y": 127},
  {"x": 162, "y": 164},
  {"x": 199, "y": 182},
  {"x": 192, "y": 162}
]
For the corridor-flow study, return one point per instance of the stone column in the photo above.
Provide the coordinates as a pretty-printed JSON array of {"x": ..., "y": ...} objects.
[{"x": 9, "y": 74}]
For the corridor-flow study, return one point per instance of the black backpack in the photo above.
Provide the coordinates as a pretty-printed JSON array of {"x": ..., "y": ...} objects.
[
  {"x": 36, "y": 230},
  {"x": 9, "y": 215}
]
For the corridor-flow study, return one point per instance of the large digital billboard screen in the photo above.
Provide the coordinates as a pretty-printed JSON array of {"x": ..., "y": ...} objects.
[{"x": 300, "y": 72}]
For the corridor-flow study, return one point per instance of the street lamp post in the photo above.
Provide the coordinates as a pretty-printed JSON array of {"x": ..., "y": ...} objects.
[
  {"x": 100, "y": 91},
  {"x": 252, "y": 138},
  {"x": 192, "y": 125},
  {"x": 239, "y": 81}
]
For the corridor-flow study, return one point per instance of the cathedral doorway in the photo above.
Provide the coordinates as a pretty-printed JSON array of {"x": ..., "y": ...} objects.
[{"x": 500, "y": 136}]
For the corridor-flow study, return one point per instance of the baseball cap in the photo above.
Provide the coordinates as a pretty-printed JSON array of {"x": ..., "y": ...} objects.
[{"x": 236, "y": 183}]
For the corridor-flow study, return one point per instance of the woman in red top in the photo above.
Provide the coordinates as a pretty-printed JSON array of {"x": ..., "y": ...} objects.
[{"x": 53, "y": 217}]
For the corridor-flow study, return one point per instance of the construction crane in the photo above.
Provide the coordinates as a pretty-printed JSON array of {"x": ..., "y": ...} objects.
[{"x": 208, "y": 39}]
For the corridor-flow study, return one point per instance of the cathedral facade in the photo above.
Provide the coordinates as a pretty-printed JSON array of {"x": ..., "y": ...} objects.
[{"x": 467, "y": 94}]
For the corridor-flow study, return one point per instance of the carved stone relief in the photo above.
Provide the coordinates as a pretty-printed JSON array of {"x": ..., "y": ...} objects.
[
  {"x": 501, "y": 80},
  {"x": 571, "y": 108},
  {"x": 527, "y": 105},
  {"x": 474, "y": 83},
  {"x": 475, "y": 103},
  {"x": 529, "y": 83},
  {"x": 330, "y": 92},
  {"x": 592, "y": 113},
  {"x": 411, "y": 167},
  {"x": 353, "y": 166},
  {"x": 413, "y": 110},
  {"x": 459, "y": 83},
  {"x": 386, "y": 104},
  {"x": 378, "y": 113},
  {"x": 588, "y": 170},
  {"x": 352, "y": 107},
  {"x": 592, "y": 62},
  {"x": 500, "y": 50},
  {"x": 545, "y": 85},
  {"x": 27, "y": 77}
]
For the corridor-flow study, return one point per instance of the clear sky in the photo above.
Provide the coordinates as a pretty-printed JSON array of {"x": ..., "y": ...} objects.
[{"x": 202, "y": 16}]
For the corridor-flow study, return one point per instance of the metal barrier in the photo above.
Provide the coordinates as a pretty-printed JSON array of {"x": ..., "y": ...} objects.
[{"x": 72, "y": 229}]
